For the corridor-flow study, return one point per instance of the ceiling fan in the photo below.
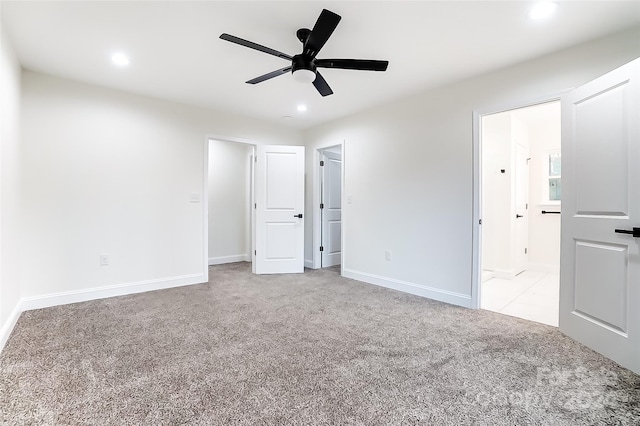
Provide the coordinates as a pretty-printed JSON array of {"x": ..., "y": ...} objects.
[{"x": 304, "y": 65}]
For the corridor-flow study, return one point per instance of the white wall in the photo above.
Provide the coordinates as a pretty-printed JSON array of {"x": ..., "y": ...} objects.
[
  {"x": 544, "y": 230},
  {"x": 10, "y": 284},
  {"x": 112, "y": 173},
  {"x": 229, "y": 232},
  {"x": 497, "y": 193},
  {"x": 501, "y": 133},
  {"x": 409, "y": 169}
]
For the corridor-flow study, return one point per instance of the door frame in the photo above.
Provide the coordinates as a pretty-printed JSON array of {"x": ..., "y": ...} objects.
[
  {"x": 251, "y": 199},
  {"x": 476, "y": 253},
  {"x": 316, "y": 261}
]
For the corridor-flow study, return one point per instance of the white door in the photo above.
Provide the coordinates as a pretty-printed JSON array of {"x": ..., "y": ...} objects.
[
  {"x": 521, "y": 201},
  {"x": 279, "y": 207},
  {"x": 600, "y": 268},
  {"x": 331, "y": 209}
]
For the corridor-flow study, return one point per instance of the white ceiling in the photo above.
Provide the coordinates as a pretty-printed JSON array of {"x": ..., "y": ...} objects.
[{"x": 176, "y": 53}]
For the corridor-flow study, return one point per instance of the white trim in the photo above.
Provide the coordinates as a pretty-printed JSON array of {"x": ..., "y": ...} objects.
[
  {"x": 6, "y": 330},
  {"x": 231, "y": 139},
  {"x": 476, "y": 259},
  {"x": 343, "y": 217},
  {"x": 315, "y": 211},
  {"x": 412, "y": 288},
  {"x": 205, "y": 207},
  {"x": 75, "y": 296},
  {"x": 229, "y": 259},
  {"x": 315, "y": 208},
  {"x": 308, "y": 263},
  {"x": 252, "y": 208},
  {"x": 476, "y": 235}
]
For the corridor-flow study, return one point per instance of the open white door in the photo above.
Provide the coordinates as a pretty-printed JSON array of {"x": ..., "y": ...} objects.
[
  {"x": 279, "y": 195},
  {"x": 331, "y": 209},
  {"x": 600, "y": 268}
]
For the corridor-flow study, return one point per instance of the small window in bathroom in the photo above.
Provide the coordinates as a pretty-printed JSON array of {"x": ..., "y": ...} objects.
[{"x": 553, "y": 178}]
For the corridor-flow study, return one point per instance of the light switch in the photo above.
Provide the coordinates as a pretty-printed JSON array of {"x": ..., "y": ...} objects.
[{"x": 195, "y": 198}]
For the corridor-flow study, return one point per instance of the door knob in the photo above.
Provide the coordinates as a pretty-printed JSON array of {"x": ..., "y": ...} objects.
[
  {"x": 299, "y": 215},
  {"x": 518, "y": 216},
  {"x": 634, "y": 233}
]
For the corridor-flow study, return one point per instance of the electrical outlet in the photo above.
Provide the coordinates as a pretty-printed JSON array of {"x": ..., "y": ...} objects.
[
  {"x": 104, "y": 260},
  {"x": 387, "y": 255}
]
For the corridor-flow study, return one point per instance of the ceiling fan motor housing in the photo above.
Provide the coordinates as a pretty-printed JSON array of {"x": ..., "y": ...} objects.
[
  {"x": 302, "y": 62},
  {"x": 303, "y": 69}
]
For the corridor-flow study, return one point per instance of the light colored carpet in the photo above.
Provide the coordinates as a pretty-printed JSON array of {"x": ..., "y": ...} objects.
[{"x": 300, "y": 349}]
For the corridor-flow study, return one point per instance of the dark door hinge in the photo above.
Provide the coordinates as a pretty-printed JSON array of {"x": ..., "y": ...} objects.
[
  {"x": 322, "y": 205},
  {"x": 321, "y": 163},
  {"x": 321, "y": 248}
]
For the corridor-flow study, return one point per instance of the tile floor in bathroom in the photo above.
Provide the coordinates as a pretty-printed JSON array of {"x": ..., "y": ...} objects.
[{"x": 532, "y": 295}]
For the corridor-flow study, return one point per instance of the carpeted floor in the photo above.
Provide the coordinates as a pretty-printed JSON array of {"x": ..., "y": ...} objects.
[{"x": 300, "y": 349}]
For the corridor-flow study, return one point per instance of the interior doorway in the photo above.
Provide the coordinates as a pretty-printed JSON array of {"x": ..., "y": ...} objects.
[
  {"x": 229, "y": 200},
  {"x": 520, "y": 206},
  {"x": 331, "y": 207},
  {"x": 328, "y": 225}
]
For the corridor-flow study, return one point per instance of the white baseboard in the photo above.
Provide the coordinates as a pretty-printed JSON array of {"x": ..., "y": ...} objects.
[
  {"x": 8, "y": 326},
  {"x": 308, "y": 263},
  {"x": 229, "y": 259},
  {"x": 412, "y": 288},
  {"x": 75, "y": 296}
]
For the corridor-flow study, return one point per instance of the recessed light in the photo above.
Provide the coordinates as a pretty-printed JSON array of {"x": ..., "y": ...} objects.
[
  {"x": 120, "y": 59},
  {"x": 302, "y": 108},
  {"x": 543, "y": 9}
]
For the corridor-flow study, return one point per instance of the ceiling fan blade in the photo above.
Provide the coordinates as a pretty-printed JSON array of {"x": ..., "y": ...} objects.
[
  {"x": 322, "y": 30},
  {"x": 269, "y": 75},
  {"x": 353, "y": 64},
  {"x": 321, "y": 84},
  {"x": 256, "y": 46}
]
